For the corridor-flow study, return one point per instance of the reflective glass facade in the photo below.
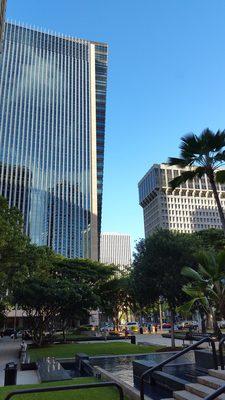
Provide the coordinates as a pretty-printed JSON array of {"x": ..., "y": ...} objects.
[{"x": 52, "y": 126}]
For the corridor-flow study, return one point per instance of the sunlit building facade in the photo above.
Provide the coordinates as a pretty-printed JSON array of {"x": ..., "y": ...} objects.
[
  {"x": 189, "y": 208},
  {"x": 52, "y": 128},
  {"x": 115, "y": 248}
]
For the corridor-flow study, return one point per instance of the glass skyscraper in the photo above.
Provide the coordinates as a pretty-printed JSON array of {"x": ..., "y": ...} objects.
[{"x": 52, "y": 129}]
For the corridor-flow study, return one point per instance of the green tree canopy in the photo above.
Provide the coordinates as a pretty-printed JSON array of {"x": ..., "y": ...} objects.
[
  {"x": 13, "y": 244},
  {"x": 60, "y": 289},
  {"x": 211, "y": 239},
  {"x": 117, "y": 296},
  {"x": 157, "y": 266},
  {"x": 206, "y": 286}
]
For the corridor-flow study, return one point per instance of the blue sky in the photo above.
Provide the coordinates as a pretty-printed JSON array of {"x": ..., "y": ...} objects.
[{"x": 166, "y": 78}]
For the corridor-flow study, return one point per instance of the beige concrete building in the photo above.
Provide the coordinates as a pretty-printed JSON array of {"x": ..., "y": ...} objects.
[{"x": 189, "y": 208}]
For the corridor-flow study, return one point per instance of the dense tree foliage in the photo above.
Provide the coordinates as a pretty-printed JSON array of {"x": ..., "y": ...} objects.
[
  {"x": 49, "y": 287},
  {"x": 117, "y": 298},
  {"x": 59, "y": 291},
  {"x": 157, "y": 266},
  {"x": 211, "y": 239},
  {"x": 12, "y": 246},
  {"x": 206, "y": 287}
]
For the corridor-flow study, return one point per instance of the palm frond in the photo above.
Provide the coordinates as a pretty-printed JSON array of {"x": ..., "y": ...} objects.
[
  {"x": 182, "y": 178},
  {"x": 192, "y": 274},
  {"x": 212, "y": 142},
  {"x": 220, "y": 156},
  {"x": 200, "y": 171},
  {"x": 207, "y": 263},
  {"x": 220, "y": 176},
  {"x": 180, "y": 162},
  {"x": 188, "y": 306},
  {"x": 190, "y": 146},
  {"x": 192, "y": 291},
  {"x": 221, "y": 261}
]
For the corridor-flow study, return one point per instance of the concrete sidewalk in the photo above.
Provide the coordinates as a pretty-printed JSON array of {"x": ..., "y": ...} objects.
[
  {"x": 154, "y": 339},
  {"x": 9, "y": 352},
  {"x": 157, "y": 339}
]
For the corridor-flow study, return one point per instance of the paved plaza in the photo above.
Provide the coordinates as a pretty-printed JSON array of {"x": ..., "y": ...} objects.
[{"x": 9, "y": 352}]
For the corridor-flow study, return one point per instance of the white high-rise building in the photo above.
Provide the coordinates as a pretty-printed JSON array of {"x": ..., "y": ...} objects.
[
  {"x": 189, "y": 208},
  {"x": 115, "y": 248}
]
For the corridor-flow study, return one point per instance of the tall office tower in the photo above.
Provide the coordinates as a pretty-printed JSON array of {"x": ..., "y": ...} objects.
[
  {"x": 52, "y": 113},
  {"x": 189, "y": 208},
  {"x": 2, "y": 19},
  {"x": 115, "y": 248}
]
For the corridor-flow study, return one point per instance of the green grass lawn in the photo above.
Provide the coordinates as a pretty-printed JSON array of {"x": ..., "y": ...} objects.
[
  {"x": 84, "y": 394},
  {"x": 92, "y": 349}
]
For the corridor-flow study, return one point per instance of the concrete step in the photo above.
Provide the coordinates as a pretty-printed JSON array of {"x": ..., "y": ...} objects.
[
  {"x": 185, "y": 395},
  {"x": 217, "y": 373},
  {"x": 211, "y": 381},
  {"x": 201, "y": 390}
]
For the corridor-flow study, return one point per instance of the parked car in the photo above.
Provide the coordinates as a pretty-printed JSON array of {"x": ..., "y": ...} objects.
[
  {"x": 26, "y": 335},
  {"x": 132, "y": 327},
  {"x": 19, "y": 334},
  {"x": 166, "y": 325},
  {"x": 221, "y": 324},
  {"x": 107, "y": 327},
  {"x": 188, "y": 325},
  {"x": 8, "y": 332}
]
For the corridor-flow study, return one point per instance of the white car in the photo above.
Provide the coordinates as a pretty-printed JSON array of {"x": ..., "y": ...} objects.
[
  {"x": 221, "y": 324},
  {"x": 18, "y": 335},
  {"x": 107, "y": 328}
]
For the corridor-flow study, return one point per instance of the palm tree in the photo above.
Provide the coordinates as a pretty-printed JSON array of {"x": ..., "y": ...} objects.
[
  {"x": 205, "y": 153},
  {"x": 207, "y": 285}
]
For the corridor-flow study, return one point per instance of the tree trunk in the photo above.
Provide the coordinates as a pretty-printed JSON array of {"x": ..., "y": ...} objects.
[
  {"x": 64, "y": 334},
  {"x": 203, "y": 322},
  {"x": 216, "y": 330},
  {"x": 217, "y": 199},
  {"x": 172, "y": 330}
]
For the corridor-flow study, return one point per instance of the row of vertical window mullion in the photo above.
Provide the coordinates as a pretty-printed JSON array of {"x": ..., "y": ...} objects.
[
  {"x": 50, "y": 145},
  {"x": 59, "y": 185},
  {"x": 28, "y": 164},
  {"x": 5, "y": 157},
  {"x": 11, "y": 147},
  {"x": 45, "y": 134},
  {"x": 69, "y": 153},
  {"x": 3, "y": 88},
  {"x": 56, "y": 174}
]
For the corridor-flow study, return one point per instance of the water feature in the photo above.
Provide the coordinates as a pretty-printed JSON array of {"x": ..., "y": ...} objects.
[
  {"x": 173, "y": 376},
  {"x": 122, "y": 366}
]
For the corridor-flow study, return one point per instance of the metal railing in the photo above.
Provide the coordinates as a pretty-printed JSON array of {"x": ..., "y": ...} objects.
[
  {"x": 216, "y": 393},
  {"x": 222, "y": 340},
  {"x": 174, "y": 357},
  {"x": 65, "y": 388}
]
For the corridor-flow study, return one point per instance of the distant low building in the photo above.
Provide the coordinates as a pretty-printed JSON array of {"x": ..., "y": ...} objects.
[
  {"x": 115, "y": 248},
  {"x": 189, "y": 208}
]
